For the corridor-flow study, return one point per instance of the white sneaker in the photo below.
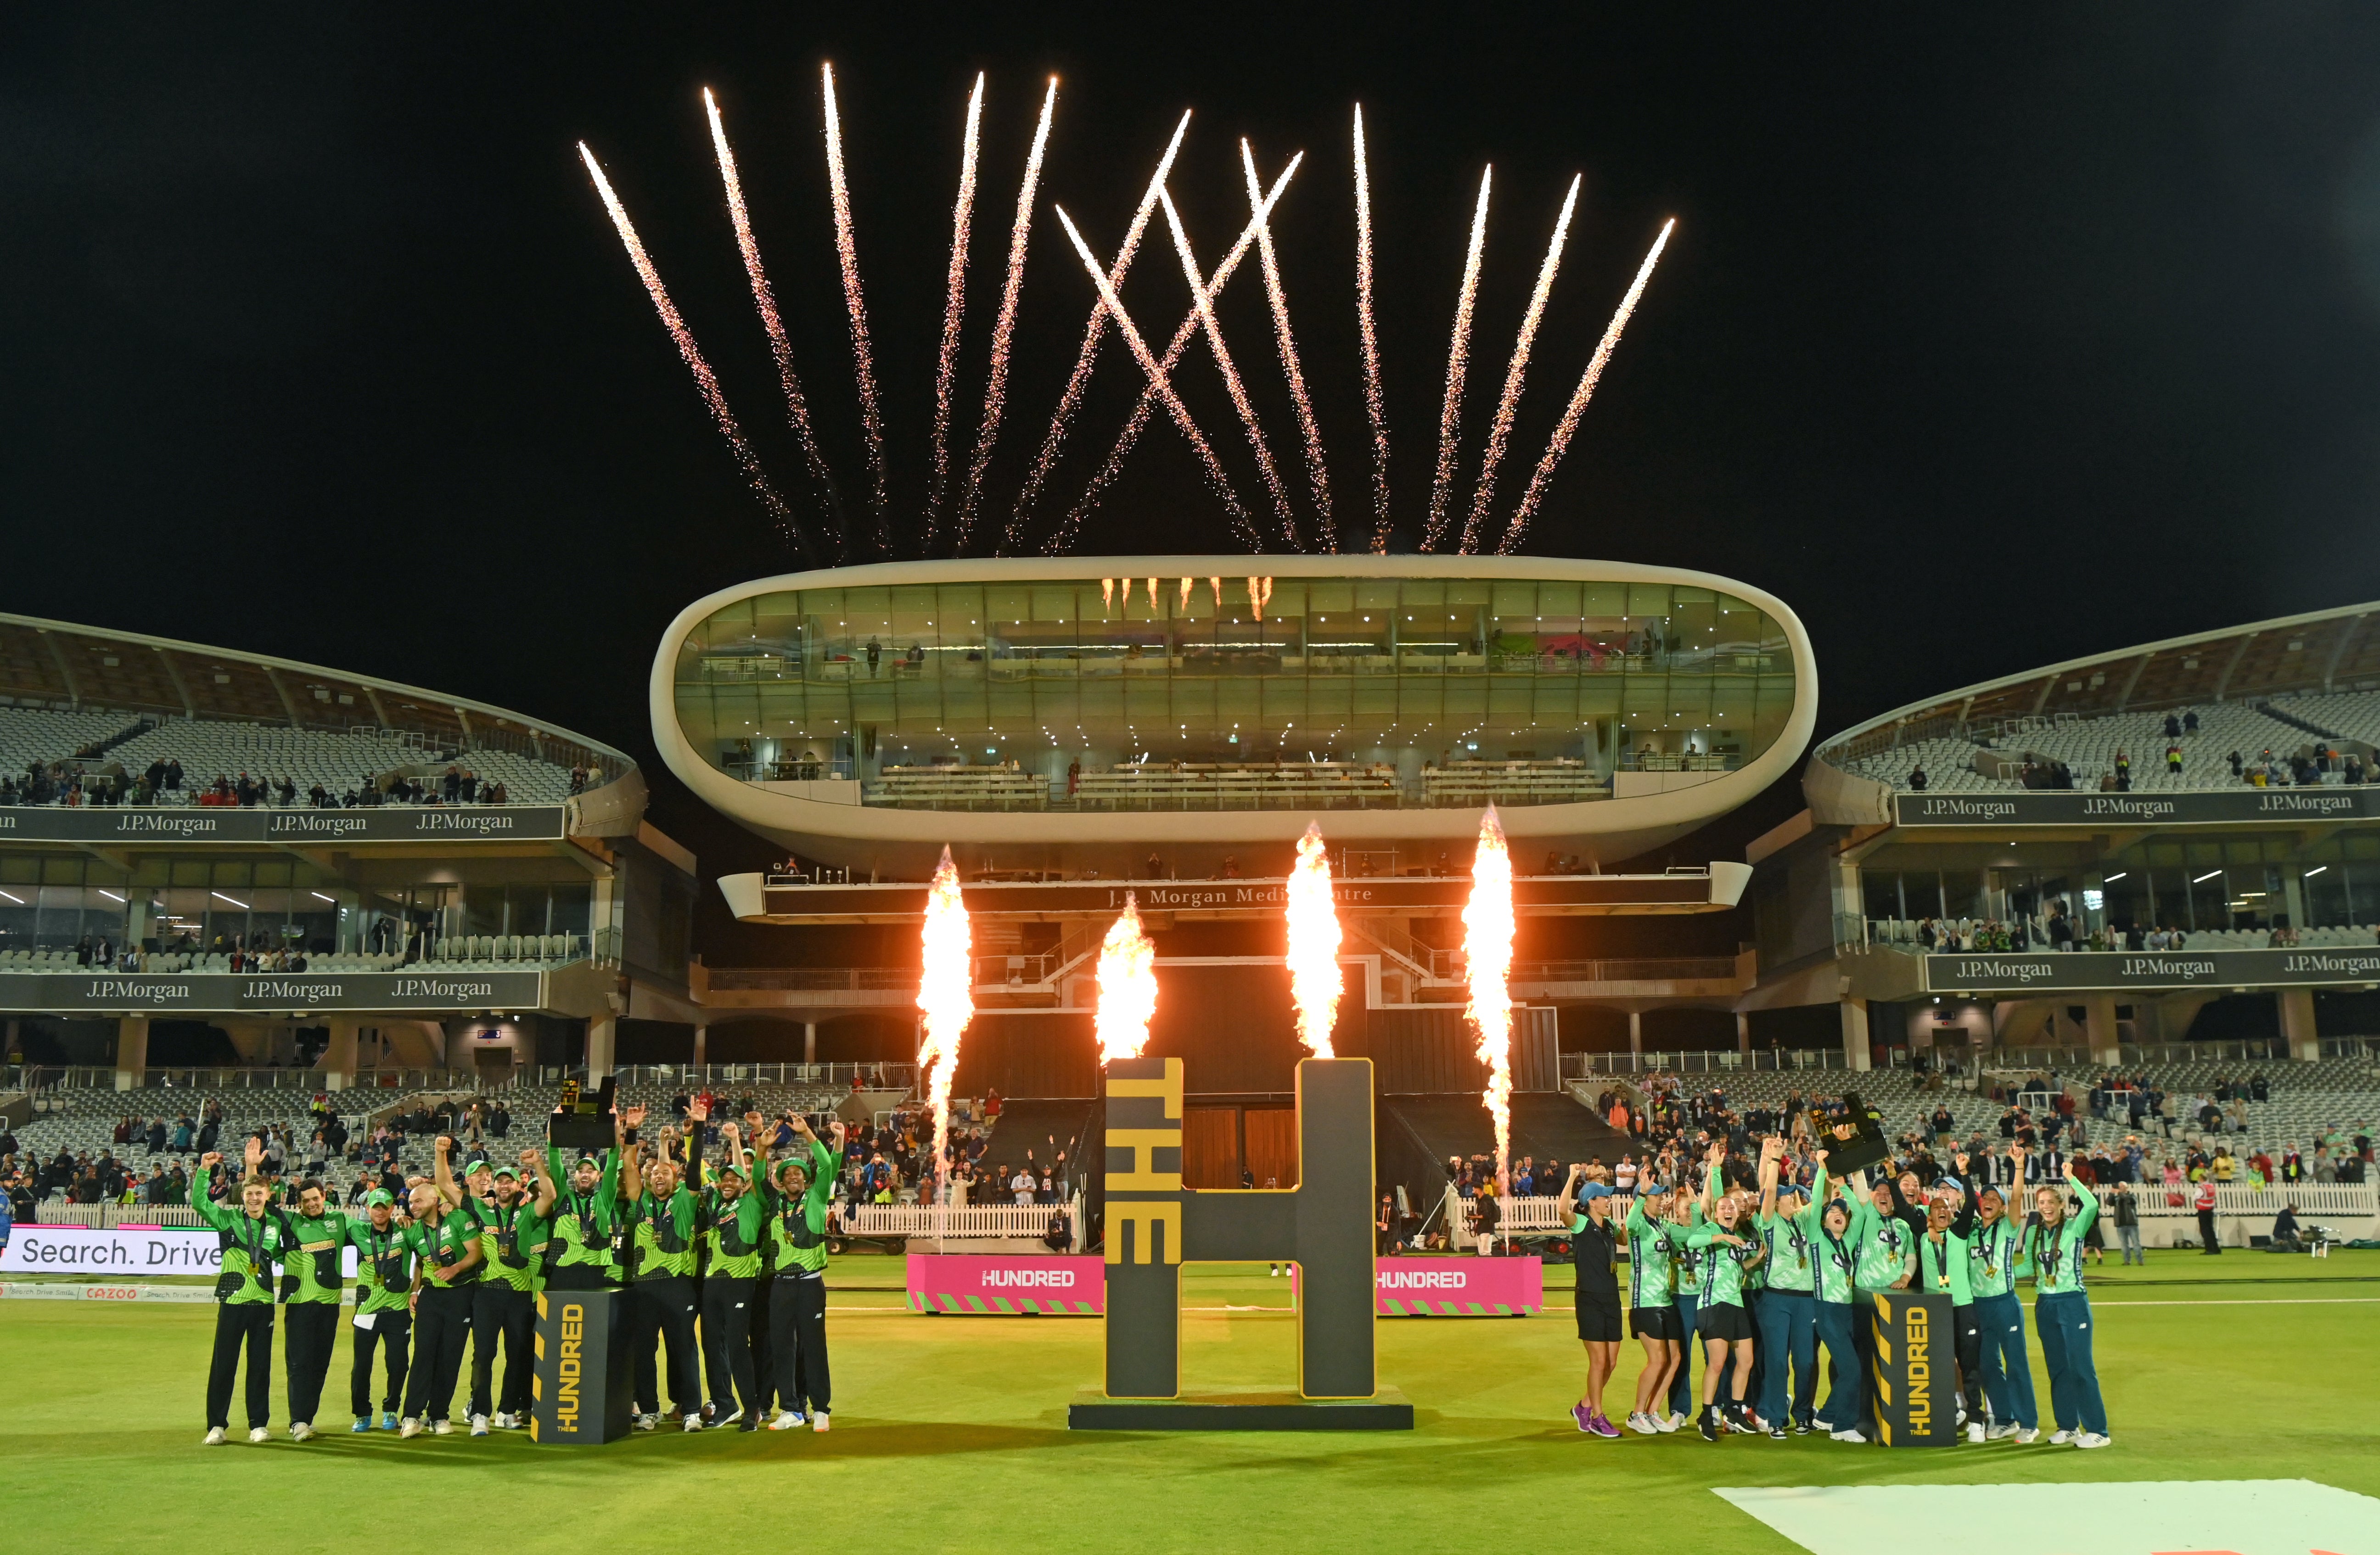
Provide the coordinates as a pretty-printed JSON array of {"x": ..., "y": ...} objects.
[
  {"x": 301, "y": 1431},
  {"x": 2061, "y": 1438},
  {"x": 693, "y": 1423},
  {"x": 479, "y": 1425},
  {"x": 216, "y": 1436},
  {"x": 644, "y": 1422},
  {"x": 2092, "y": 1438},
  {"x": 259, "y": 1436},
  {"x": 501, "y": 1420},
  {"x": 1850, "y": 1435},
  {"x": 2027, "y": 1435},
  {"x": 442, "y": 1428},
  {"x": 1974, "y": 1431},
  {"x": 1669, "y": 1423},
  {"x": 786, "y": 1421},
  {"x": 410, "y": 1429},
  {"x": 1644, "y": 1424},
  {"x": 817, "y": 1422},
  {"x": 2003, "y": 1431},
  {"x": 1963, "y": 1416}
]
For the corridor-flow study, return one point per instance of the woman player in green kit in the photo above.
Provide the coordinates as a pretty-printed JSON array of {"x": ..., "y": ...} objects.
[{"x": 1725, "y": 1253}]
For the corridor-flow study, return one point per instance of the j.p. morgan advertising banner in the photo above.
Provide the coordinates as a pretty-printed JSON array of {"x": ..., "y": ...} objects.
[
  {"x": 1972, "y": 973},
  {"x": 2232, "y": 805},
  {"x": 124, "y": 1250},
  {"x": 405, "y": 823},
  {"x": 229, "y": 993}
]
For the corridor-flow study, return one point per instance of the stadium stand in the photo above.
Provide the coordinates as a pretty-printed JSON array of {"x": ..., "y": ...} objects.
[{"x": 2088, "y": 748}]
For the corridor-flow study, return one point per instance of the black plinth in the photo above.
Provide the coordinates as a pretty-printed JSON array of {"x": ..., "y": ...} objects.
[{"x": 1387, "y": 1410}]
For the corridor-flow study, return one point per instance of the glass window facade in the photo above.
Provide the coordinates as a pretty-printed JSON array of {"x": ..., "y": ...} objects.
[{"x": 1233, "y": 691}]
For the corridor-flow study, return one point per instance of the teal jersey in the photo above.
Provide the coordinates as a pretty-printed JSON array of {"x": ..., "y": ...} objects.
[
  {"x": 796, "y": 1227},
  {"x": 384, "y": 1266},
  {"x": 1792, "y": 1241},
  {"x": 1722, "y": 1267},
  {"x": 2054, "y": 1258},
  {"x": 250, "y": 1245},
  {"x": 1942, "y": 1267},
  {"x": 1836, "y": 1258},
  {"x": 1885, "y": 1254},
  {"x": 1652, "y": 1259},
  {"x": 1992, "y": 1255},
  {"x": 311, "y": 1270}
]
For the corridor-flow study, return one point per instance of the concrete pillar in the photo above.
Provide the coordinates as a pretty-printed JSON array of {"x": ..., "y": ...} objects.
[
  {"x": 2099, "y": 1030},
  {"x": 2297, "y": 1023},
  {"x": 131, "y": 1051},
  {"x": 701, "y": 1041},
  {"x": 339, "y": 1058},
  {"x": 1637, "y": 1032},
  {"x": 603, "y": 1040},
  {"x": 810, "y": 1041},
  {"x": 1855, "y": 1019},
  {"x": 1743, "y": 1030}
]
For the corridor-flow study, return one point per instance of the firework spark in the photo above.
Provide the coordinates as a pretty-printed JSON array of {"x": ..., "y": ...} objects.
[
  {"x": 704, "y": 378},
  {"x": 1502, "y": 432},
  {"x": 1185, "y": 595},
  {"x": 1457, "y": 363},
  {"x": 1231, "y": 382},
  {"x": 764, "y": 298},
  {"x": 871, "y": 417},
  {"x": 1313, "y": 939},
  {"x": 1162, "y": 386},
  {"x": 1487, "y": 957},
  {"x": 1054, "y": 440},
  {"x": 1317, "y": 475},
  {"x": 1375, "y": 404},
  {"x": 1003, "y": 330},
  {"x": 1141, "y": 412},
  {"x": 953, "y": 309},
  {"x": 1568, "y": 426},
  {"x": 1127, "y": 986},
  {"x": 946, "y": 995}
]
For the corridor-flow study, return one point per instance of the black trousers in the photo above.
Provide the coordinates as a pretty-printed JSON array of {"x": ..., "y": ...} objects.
[
  {"x": 241, "y": 1325},
  {"x": 797, "y": 1341},
  {"x": 764, "y": 1367},
  {"x": 390, "y": 1333},
  {"x": 2207, "y": 1243},
  {"x": 1970, "y": 1343},
  {"x": 312, "y": 1333},
  {"x": 661, "y": 1311},
  {"x": 498, "y": 1311},
  {"x": 727, "y": 1342},
  {"x": 440, "y": 1326}
]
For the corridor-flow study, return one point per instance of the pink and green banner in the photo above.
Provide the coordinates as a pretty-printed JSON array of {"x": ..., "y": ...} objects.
[
  {"x": 994, "y": 1285},
  {"x": 1459, "y": 1287}
]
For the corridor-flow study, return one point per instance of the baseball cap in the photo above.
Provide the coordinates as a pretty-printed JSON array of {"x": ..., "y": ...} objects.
[
  {"x": 377, "y": 1197},
  {"x": 1593, "y": 1190},
  {"x": 512, "y": 1172}
]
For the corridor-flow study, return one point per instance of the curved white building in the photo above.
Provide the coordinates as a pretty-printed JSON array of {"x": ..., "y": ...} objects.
[{"x": 1060, "y": 712}]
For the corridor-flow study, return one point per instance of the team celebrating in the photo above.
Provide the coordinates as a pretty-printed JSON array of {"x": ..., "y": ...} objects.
[
  {"x": 1761, "y": 1275},
  {"x": 733, "y": 1251}
]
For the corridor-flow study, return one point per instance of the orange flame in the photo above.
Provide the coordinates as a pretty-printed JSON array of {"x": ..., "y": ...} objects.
[
  {"x": 945, "y": 993},
  {"x": 1314, "y": 942},
  {"x": 1107, "y": 596},
  {"x": 1488, "y": 957},
  {"x": 1185, "y": 595},
  {"x": 1127, "y": 986}
]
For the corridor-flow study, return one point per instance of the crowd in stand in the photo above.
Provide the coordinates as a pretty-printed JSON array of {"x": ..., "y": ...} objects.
[{"x": 165, "y": 783}]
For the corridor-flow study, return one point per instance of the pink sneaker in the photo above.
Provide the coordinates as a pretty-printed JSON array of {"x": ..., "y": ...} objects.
[
  {"x": 1602, "y": 1426},
  {"x": 1585, "y": 1416}
]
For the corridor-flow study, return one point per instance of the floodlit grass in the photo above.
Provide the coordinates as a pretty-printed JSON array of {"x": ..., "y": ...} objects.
[{"x": 950, "y": 1434}]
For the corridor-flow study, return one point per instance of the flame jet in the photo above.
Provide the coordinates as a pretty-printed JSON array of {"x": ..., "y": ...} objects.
[
  {"x": 946, "y": 995},
  {"x": 1127, "y": 986},
  {"x": 1313, "y": 938},
  {"x": 1488, "y": 963}
]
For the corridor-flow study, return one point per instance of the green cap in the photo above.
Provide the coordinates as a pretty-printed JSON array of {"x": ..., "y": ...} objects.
[
  {"x": 511, "y": 1172},
  {"x": 377, "y": 1198}
]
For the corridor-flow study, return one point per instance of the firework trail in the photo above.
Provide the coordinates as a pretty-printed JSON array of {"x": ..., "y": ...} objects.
[
  {"x": 1054, "y": 440},
  {"x": 1162, "y": 387},
  {"x": 1501, "y": 433},
  {"x": 1004, "y": 331},
  {"x": 1316, "y": 473},
  {"x": 946, "y": 370},
  {"x": 764, "y": 298},
  {"x": 1458, "y": 360},
  {"x": 945, "y": 993},
  {"x": 1231, "y": 382},
  {"x": 704, "y": 378},
  {"x": 1487, "y": 958},
  {"x": 871, "y": 417},
  {"x": 1375, "y": 404},
  {"x": 1314, "y": 942},
  {"x": 1141, "y": 412},
  {"x": 1127, "y": 986},
  {"x": 1559, "y": 444}
]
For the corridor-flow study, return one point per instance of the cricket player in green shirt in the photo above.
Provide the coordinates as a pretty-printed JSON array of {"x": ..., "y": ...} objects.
[
  {"x": 251, "y": 1239},
  {"x": 795, "y": 1203},
  {"x": 383, "y": 1318},
  {"x": 582, "y": 1252},
  {"x": 311, "y": 1279},
  {"x": 664, "y": 1224},
  {"x": 1788, "y": 1318},
  {"x": 1726, "y": 1248},
  {"x": 504, "y": 1304},
  {"x": 445, "y": 1242},
  {"x": 733, "y": 1219}
]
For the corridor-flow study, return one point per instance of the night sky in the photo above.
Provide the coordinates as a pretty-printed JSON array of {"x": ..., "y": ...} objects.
[{"x": 1983, "y": 341}]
